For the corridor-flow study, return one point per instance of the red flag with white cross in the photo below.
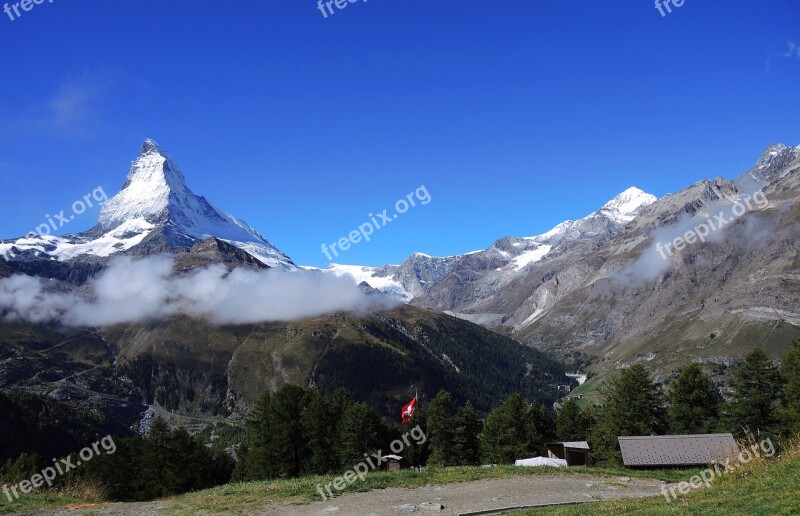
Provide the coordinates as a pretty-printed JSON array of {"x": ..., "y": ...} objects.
[{"x": 408, "y": 410}]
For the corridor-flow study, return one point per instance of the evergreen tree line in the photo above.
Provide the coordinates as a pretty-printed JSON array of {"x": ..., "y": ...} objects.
[
  {"x": 764, "y": 400},
  {"x": 163, "y": 463},
  {"x": 34, "y": 424},
  {"x": 514, "y": 430},
  {"x": 296, "y": 431}
]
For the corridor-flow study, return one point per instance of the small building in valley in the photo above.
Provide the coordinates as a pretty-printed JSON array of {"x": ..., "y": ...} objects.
[
  {"x": 576, "y": 453},
  {"x": 672, "y": 451}
]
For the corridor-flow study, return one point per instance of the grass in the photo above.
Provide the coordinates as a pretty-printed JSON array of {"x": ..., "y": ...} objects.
[
  {"x": 761, "y": 487},
  {"x": 589, "y": 392},
  {"x": 243, "y": 498},
  {"x": 764, "y": 486},
  {"x": 80, "y": 495}
]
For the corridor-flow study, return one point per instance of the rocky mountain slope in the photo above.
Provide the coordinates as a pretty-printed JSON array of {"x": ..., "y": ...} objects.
[
  {"x": 443, "y": 282},
  {"x": 200, "y": 373},
  {"x": 599, "y": 287}
]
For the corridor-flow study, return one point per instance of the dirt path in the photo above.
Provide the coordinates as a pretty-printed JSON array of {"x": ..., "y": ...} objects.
[{"x": 444, "y": 500}]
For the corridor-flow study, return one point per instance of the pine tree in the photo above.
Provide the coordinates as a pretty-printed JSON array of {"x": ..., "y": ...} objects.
[
  {"x": 120, "y": 473},
  {"x": 442, "y": 423},
  {"x": 505, "y": 435},
  {"x": 337, "y": 405},
  {"x": 359, "y": 433},
  {"x": 757, "y": 390},
  {"x": 180, "y": 455},
  {"x": 165, "y": 462},
  {"x": 152, "y": 478},
  {"x": 241, "y": 471},
  {"x": 466, "y": 438},
  {"x": 790, "y": 370},
  {"x": 317, "y": 422},
  {"x": 254, "y": 463},
  {"x": 541, "y": 428},
  {"x": 590, "y": 418},
  {"x": 286, "y": 445},
  {"x": 417, "y": 455},
  {"x": 571, "y": 422},
  {"x": 339, "y": 402},
  {"x": 635, "y": 405},
  {"x": 694, "y": 403}
]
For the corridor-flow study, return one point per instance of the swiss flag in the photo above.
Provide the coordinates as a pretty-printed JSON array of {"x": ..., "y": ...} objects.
[{"x": 408, "y": 410}]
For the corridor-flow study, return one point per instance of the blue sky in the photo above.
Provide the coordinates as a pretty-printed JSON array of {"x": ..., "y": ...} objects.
[{"x": 515, "y": 115}]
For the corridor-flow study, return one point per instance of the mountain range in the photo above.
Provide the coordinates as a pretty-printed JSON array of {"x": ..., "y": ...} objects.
[
  {"x": 596, "y": 289},
  {"x": 141, "y": 316},
  {"x": 591, "y": 295}
]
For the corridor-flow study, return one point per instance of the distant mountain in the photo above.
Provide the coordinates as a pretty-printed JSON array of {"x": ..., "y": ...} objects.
[
  {"x": 450, "y": 283},
  {"x": 598, "y": 288},
  {"x": 154, "y": 212},
  {"x": 774, "y": 161}
]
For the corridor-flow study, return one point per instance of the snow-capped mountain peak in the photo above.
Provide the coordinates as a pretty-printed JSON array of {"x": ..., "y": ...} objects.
[
  {"x": 628, "y": 204},
  {"x": 151, "y": 145},
  {"x": 152, "y": 183},
  {"x": 155, "y": 191},
  {"x": 154, "y": 200}
]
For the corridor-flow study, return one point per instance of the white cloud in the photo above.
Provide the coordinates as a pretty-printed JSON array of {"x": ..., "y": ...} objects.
[{"x": 136, "y": 290}]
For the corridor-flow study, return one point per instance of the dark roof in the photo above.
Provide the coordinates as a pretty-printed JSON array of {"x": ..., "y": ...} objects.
[{"x": 677, "y": 450}]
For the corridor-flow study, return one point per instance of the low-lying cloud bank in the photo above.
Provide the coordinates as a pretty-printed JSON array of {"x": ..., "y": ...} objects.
[{"x": 136, "y": 290}]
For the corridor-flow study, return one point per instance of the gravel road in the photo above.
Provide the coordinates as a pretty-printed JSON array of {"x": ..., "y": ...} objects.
[{"x": 449, "y": 499}]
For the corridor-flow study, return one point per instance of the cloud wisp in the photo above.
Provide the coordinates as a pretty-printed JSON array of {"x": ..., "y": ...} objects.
[
  {"x": 706, "y": 226},
  {"x": 73, "y": 111},
  {"x": 137, "y": 290},
  {"x": 792, "y": 51}
]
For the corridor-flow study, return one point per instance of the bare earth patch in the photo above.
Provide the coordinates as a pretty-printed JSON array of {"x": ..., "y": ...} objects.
[{"x": 445, "y": 499}]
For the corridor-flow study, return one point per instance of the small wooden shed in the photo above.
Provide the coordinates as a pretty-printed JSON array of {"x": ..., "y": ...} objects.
[
  {"x": 392, "y": 462},
  {"x": 576, "y": 453}
]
